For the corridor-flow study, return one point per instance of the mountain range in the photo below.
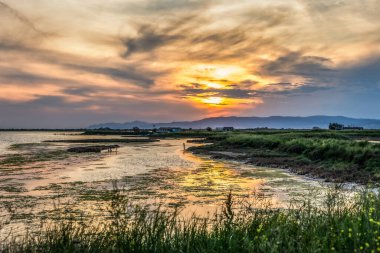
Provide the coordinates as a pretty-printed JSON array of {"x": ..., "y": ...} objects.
[{"x": 276, "y": 122}]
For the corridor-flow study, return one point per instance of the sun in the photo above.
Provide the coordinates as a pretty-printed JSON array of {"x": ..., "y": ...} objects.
[
  {"x": 213, "y": 100},
  {"x": 212, "y": 86},
  {"x": 221, "y": 72}
]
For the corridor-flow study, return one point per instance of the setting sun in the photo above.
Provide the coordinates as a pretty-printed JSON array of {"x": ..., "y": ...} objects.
[
  {"x": 218, "y": 85},
  {"x": 226, "y": 71},
  {"x": 213, "y": 100}
]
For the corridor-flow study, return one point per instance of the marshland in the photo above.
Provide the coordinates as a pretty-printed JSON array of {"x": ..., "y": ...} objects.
[{"x": 237, "y": 191}]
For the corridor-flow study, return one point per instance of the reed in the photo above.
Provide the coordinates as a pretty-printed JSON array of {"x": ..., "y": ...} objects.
[{"x": 339, "y": 224}]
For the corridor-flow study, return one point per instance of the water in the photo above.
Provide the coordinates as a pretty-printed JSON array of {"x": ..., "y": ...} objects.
[{"x": 153, "y": 173}]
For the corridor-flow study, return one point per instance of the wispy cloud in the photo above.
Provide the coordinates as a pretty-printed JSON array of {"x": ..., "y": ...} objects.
[{"x": 21, "y": 17}]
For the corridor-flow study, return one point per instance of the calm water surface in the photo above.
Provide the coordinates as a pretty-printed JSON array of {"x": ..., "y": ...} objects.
[{"x": 159, "y": 172}]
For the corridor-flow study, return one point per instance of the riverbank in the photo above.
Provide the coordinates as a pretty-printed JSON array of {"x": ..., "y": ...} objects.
[
  {"x": 292, "y": 164},
  {"x": 333, "y": 157}
]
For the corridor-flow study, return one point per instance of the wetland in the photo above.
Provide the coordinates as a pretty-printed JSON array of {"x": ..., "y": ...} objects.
[{"x": 40, "y": 180}]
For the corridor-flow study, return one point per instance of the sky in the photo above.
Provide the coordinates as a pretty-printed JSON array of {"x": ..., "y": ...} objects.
[{"x": 70, "y": 64}]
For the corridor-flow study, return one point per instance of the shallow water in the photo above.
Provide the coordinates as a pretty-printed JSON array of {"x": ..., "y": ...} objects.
[{"x": 154, "y": 173}]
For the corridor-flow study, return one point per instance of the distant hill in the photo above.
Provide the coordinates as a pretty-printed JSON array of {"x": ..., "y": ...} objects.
[{"x": 277, "y": 122}]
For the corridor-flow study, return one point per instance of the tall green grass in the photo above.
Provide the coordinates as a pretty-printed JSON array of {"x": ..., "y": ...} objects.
[
  {"x": 362, "y": 154},
  {"x": 336, "y": 225}
]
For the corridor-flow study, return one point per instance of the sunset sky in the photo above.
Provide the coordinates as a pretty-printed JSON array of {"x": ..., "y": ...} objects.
[{"x": 70, "y": 63}]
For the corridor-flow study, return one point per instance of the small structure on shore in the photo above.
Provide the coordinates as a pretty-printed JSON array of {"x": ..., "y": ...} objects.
[
  {"x": 225, "y": 129},
  {"x": 169, "y": 130},
  {"x": 353, "y": 128}
]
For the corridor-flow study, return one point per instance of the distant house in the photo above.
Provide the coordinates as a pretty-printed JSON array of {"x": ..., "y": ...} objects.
[
  {"x": 353, "y": 128},
  {"x": 169, "y": 130},
  {"x": 225, "y": 129}
]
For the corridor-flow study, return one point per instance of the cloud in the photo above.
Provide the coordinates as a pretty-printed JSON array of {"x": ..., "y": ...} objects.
[
  {"x": 297, "y": 64},
  {"x": 176, "y": 5},
  {"x": 227, "y": 93},
  {"x": 291, "y": 90},
  {"x": 17, "y": 76},
  {"x": 364, "y": 74},
  {"x": 133, "y": 54},
  {"x": 197, "y": 36},
  {"x": 147, "y": 40},
  {"x": 139, "y": 77},
  {"x": 59, "y": 112},
  {"x": 149, "y": 8},
  {"x": 133, "y": 73},
  {"x": 21, "y": 17}
]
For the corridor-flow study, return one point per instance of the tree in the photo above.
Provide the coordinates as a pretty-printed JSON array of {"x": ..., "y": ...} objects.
[
  {"x": 136, "y": 130},
  {"x": 335, "y": 126}
]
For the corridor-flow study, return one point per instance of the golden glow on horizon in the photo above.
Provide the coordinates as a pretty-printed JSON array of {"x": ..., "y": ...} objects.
[
  {"x": 208, "y": 85},
  {"x": 226, "y": 71},
  {"x": 213, "y": 85}
]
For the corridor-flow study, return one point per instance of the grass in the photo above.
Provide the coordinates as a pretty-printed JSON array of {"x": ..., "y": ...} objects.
[
  {"x": 359, "y": 153},
  {"x": 327, "y": 151},
  {"x": 336, "y": 225}
]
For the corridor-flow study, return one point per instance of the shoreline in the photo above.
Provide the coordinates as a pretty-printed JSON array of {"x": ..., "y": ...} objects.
[{"x": 289, "y": 163}]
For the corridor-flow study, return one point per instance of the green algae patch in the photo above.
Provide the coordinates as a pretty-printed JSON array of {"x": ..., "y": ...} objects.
[{"x": 22, "y": 159}]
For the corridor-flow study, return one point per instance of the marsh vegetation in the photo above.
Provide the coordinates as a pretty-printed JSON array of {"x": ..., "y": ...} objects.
[
  {"x": 337, "y": 156},
  {"x": 339, "y": 224}
]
